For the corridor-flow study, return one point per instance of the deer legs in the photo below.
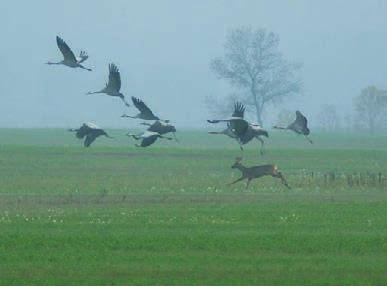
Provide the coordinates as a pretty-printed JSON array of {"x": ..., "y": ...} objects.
[
  {"x": 278, "y": 175},
  {"x": 282, "y": 178},
  {"x": 248, "y": 182},
  {"x": 236, "y": 181},
  {"x": 240, "y": 179}
]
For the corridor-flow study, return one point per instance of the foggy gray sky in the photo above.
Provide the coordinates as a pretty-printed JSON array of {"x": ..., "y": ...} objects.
[{"x": 163, "y": 50}]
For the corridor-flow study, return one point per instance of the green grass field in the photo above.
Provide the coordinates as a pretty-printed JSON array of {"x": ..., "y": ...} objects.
[{"x": 114, "y": 214}]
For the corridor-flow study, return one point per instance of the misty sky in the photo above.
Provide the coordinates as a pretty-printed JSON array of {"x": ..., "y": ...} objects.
[{"x": 163, "y": 50}]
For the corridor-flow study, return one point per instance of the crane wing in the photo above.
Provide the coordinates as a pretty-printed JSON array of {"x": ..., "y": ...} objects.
[
  {"x": 239, "y": 126},
  {"x": 114, "y": 83},
  {"x": 142, "y": 107},
  {"x": 65, "y": 50},
  {"x": 300, "y": 118},
  {"x": 239, "y": 110},
  {"x": 300, "y": 125},
  {"x": 83, "y": 131},
  {"x": 237, "y": 115},
  {"x": 236, "y": 124},
  {"x": 90, "y": 139},
  {"x": 156, "y": 126},
  {"x": 82, "y": 57},
  {"x": 91, "y": 125},
  {"x": 148, "y": 141}
]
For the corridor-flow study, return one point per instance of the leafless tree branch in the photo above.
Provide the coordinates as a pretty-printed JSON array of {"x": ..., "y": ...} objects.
[{"x": 253, "y": 64}]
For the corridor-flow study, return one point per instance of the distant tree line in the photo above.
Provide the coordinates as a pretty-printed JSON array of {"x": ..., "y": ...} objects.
[
  {"x": 369, "y": 113},
  {"x": 370, "y": 110},
  {"x": 259, "y": 75}
]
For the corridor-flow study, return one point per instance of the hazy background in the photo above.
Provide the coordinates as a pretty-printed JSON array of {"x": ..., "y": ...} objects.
[{"x": 163, "y": 50}]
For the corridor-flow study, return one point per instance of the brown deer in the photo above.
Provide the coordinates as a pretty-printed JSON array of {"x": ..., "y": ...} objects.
[{"x": 257, "y": 172}]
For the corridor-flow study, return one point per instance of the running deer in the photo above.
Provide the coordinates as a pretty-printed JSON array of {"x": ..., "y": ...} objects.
[{"x": 257, "y": 172}]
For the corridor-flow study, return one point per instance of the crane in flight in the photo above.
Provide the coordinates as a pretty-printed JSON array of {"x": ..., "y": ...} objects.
[
  {"x": 90, "y": 132},
  {"x": 145, "y": 112},
  {"x": 69, "y": 58},
  {"x": 299, "y": 126},
  {"x": 113, "y": 85},
  {"x": 240, "y": 129},
  {"x": 147, "y": 138}
]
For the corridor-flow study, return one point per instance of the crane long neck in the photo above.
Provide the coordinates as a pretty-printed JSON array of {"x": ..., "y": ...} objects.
[
  {"x": 215, "y": 132},
  {"x": 94, "y": 92},
  {"x": 128, "y": 116},
  {"x": 54, "y": 63},
  {"x": 280, "y": 127}
]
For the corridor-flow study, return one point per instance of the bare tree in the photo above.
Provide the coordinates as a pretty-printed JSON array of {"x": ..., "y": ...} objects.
[
  {"x": 253, "y": 64},
  {"x": 371, "y": 109},
  {"x": 328, "y": 117}
]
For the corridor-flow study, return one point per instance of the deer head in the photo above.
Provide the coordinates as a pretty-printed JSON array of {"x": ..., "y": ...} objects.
[{"x": 237, "y": 163}]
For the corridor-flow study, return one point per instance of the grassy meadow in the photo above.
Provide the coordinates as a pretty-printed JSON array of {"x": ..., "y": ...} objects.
[{"x": 114, "y": 214}]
